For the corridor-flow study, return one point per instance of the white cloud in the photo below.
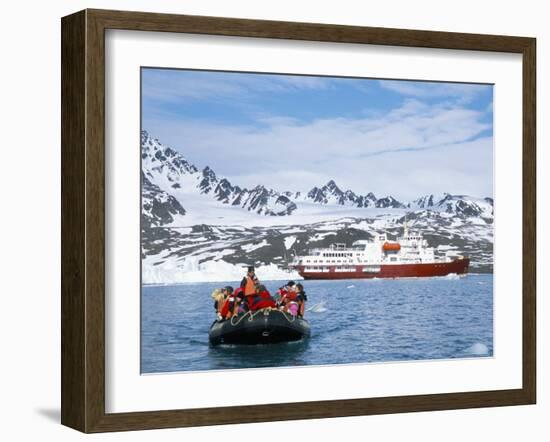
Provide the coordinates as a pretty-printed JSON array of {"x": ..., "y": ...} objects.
[
  {"x": 461, "y": 92},
  {"x": 176, "y": 85},
  {"x": 412, "y": 150}
]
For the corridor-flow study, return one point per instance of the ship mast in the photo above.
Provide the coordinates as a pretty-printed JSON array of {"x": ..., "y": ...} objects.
[{"x": 405, "y": 228}]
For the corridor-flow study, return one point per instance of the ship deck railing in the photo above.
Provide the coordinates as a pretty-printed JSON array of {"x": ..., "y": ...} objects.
[{"x": 328, "y": 249}]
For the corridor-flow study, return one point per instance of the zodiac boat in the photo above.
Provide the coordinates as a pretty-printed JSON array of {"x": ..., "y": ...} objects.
[{"x": 266, "y": 326}]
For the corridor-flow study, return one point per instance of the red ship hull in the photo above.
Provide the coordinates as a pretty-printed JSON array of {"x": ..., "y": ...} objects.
[{"x": 458, "y": 266}]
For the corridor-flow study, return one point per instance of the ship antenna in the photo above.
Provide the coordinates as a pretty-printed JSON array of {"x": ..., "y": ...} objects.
[{"x": 405, "y": 227}]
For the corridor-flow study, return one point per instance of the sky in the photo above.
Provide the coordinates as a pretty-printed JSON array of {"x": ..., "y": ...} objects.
[{"x": 294, "y": 132}]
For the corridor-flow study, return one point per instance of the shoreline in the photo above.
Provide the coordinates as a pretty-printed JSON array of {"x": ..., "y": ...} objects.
[{"x": 162, "y": 284}]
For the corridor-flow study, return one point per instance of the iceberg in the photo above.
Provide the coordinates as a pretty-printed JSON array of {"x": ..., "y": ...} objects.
[{"x": 191, "y": 270}]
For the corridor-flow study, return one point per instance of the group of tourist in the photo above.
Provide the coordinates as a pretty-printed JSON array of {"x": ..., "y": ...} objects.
[{"x": 252, "y": 296}]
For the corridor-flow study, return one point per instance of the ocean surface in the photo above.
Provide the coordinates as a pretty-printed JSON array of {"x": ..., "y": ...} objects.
[{"x": 352, "y": 321}]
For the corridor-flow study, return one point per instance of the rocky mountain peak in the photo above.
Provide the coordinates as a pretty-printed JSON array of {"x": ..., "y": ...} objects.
[
  {"x": 331, "y": 185},
  {"x": 166, "y": 170}
]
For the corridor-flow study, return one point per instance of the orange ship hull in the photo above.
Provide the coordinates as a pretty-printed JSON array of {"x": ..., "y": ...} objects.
[{"x": 458, "y": 266}]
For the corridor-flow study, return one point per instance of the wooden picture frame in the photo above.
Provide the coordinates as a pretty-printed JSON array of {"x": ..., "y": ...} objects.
[{"x": 83, "y": 219}]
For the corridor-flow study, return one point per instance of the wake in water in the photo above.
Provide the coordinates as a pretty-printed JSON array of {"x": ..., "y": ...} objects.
[
  {"x": 452, "y": 277},
  {"x": 317, "y": 308}
]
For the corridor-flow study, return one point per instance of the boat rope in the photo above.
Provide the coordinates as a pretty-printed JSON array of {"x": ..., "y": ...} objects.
[
  {"x": 239, "y": 318},
  {"x": 249, "y": 313},
  {"x": 286, "y": 317},
  {"x": 236, "y": 320}
]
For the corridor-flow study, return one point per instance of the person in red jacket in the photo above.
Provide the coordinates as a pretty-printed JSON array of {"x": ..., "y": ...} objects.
[
  {"x": 261, "y": 299},
  {"x": 288, "y": 295},
  {"x": 240, "y": 302},
  {"x": 229, "y": 302},
  {"x": 284, "y": 291}
]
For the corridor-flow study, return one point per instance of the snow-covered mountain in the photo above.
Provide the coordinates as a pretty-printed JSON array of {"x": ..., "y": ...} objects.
[
  {"x": 205, "y": 252},
  {"x": 330, "y": 193},
  {"x": 197, "y": 225},
  {"x": 172, "y": 173},
  {"x": 157, "y": 206},
  {"x": 456, "y": 204}
]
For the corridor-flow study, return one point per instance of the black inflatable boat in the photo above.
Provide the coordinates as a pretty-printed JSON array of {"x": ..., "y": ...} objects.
[{"x": 260, "y": 327}]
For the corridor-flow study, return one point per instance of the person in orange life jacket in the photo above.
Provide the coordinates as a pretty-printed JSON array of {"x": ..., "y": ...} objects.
[
  {"x": 262, "y": 299},
  {"x": 249, "y": 283}
]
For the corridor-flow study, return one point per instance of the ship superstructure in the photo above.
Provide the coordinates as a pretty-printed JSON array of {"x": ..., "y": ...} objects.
[{"x": 408, "y": 256}]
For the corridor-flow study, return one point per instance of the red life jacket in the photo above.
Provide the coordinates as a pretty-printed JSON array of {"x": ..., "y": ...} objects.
[
  {"x": 265, "y": 295},
  {"x": 283, "y": 294},
  {"x": 291, "y": 296},
  {"x": 225, "y": 309},
  {"x": 263, "y": 303},
  {"x": 261, "y": 300}
]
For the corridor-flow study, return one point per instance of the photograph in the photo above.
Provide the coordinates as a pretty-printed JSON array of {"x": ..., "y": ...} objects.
[{"x": 292, "y": 220}]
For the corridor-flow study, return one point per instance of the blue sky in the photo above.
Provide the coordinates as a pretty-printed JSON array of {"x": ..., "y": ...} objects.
[{"x": 290, "y": 132}]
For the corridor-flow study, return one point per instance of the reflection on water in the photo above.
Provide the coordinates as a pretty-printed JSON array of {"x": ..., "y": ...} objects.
[{"x": 269, "y": 355}]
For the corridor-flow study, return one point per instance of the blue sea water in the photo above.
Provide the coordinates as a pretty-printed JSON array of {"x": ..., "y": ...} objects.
[{"x": 352, "y": 321}]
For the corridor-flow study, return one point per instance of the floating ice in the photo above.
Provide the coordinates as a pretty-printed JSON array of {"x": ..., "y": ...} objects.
[
  {"x": 477, "y": 349},
  {"x": 190, "y": 269},
  {"x": 350, "y": 286}
]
